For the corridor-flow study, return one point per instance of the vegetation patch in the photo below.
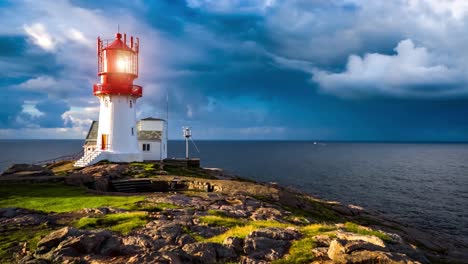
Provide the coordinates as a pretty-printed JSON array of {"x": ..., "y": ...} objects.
[
  {"x": 301, "y": 250},
  {"x": 122, "y": 222},
  {"x": 153, "y": 207},
  {"x": 196, "y": 236},
  {"x": 238, "y": 227},
  {"x": 10, "y": 239},
  {"x": 59, "y": 198},
  {"x": 217, "y": 213},
  {"x": 190, "y": 172},
  {"x": 62, "y": 167},
  {"x": 357, "y": 229}
]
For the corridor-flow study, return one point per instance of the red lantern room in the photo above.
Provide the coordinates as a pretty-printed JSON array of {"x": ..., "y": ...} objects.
[{"x": 118, "y": 67}]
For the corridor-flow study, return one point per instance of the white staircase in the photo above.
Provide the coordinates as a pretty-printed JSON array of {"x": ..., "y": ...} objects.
[{"x": 90, "y": 158}]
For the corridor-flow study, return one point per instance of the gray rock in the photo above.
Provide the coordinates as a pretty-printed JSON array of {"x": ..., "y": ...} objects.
[
  {"x": 277, "y": 233},
  {"x": 265, "y": 248},
  {"x": 358, "y": 251},
  {"x": 235, "y": 243},
  {"x": 170, "y": 232},
  {"x": 201, "y": 252},
  {"x": 322, "y": 240},
  {"x": 267, "y": 213},
  {"x": 31, "y": 170},
  {"x": 249, "y": 260},
  {"x": 54, "y": 238},
  {"x": 8, "y": 212},
  {"x": 111, "y": 247},
  {"x": 224, "y": 253},
  {"x": 185, "y": 239}
]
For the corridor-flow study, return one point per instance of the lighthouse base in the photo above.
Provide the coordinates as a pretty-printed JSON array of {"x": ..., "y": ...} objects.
[
  {"x": 99, "y": 155},
  {"x": 122, "y": 157}
]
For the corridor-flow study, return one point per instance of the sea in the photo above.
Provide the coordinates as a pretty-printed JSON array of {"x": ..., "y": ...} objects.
[{"x": 423, "y": 185}]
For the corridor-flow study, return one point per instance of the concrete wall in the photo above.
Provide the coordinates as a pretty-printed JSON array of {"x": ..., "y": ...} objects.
[
  {"x": 151, "y": 125},
  {"x": 156, "y": 150}
]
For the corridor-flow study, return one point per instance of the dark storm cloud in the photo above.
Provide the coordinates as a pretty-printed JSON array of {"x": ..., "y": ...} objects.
[{"x": 326, "y": 69}]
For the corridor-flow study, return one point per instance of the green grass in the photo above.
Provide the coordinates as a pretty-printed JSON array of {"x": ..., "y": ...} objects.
[
  {"x": 301, "y": 250},
  {"x": 11, "y": 238},
  {"x": 217, "y": 213},
  {"x": 190, "y": 172},
  {"x": 59, "y": 198},
  {"x": 122, "y": 222},
  {"x": 196, "y": 236},
  {"x": 355, "y": 228},
  {"x": 238, "y": 227},
  {"x": 153, "y": 207}
]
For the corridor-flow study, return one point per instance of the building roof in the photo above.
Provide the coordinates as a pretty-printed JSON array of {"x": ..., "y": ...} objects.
[
  {"x": 93, "y": 132},
  {"x": 149, "y": 135},
  {"x": 152, "y": 119},
  {"x": 142, "y": 134}
]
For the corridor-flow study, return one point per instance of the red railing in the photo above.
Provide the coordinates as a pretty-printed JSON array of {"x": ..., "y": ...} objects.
[{"x": 105, "y": 89}]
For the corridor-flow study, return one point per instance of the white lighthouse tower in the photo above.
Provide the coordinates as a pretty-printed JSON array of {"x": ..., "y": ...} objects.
[{"x": 117, "y": 138}]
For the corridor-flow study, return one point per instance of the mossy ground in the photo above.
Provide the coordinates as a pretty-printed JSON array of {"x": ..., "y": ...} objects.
[
  {"x": 59, "y": 198},
  {"x": 238, "y": 227},
  {"x": 301, "y": 250},
  {"x": 9, "y": 239},
  {"x": 190, "y": 172},
  {"x": 357, "y": 229},
  {"x": 122, "y": 222}
]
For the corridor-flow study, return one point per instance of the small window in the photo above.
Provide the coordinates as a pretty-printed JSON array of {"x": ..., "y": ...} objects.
[
  {"x": 131, "y": 104},
  {"x": 106, "y": 103},
  {"x": 132, "y": 131},
  {"x": 146, "y": 147}
]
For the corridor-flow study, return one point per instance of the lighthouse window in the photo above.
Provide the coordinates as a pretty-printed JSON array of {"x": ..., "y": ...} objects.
[
  {"x": 146, "y": 147},
  {"x": 132, "y": 131},
  {"x": 131, "y": 104}
]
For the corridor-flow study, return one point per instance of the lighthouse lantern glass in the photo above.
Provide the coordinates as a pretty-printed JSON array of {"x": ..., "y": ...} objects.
[{"x": 119, "y": 61}]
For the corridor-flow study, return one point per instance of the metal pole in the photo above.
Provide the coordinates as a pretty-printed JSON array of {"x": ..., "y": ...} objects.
[{"x": 186, "y": 148}]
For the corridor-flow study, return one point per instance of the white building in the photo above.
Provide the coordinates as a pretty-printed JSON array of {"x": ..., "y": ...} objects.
[{"x": 151, "y": 135}]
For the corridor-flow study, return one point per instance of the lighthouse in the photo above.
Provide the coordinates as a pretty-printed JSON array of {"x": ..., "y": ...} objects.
[{"x": 117, "y": 136}]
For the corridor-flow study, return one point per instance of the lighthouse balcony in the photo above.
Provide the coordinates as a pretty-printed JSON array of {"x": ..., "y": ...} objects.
[{"x": 107, "y": 89}]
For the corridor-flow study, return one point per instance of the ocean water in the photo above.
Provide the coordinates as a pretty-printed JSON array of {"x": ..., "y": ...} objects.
[{"x": 422, "y": 185}]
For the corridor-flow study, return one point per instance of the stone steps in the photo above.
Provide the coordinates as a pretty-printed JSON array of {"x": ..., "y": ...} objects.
[{"x": 132, "y": 186}]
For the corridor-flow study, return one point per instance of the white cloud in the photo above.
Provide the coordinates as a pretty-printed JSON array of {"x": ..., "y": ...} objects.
[
  {"x": 39, "y": 83},
  {"x": 412, "y": 71},
  {"x": 39, "y": 35}
]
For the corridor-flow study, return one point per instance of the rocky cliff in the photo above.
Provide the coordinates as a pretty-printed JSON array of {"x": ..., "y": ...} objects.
[{"x": 192, "y": 216}]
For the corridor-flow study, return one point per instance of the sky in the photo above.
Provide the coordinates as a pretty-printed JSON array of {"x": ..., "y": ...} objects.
[{"x": 370, "y": 70}]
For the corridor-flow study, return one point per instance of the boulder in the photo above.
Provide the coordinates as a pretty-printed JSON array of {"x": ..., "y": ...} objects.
[
  {"x": 356, "y": 237},
  {"x": 267, "y": 213},
  {"x": 358, "y": 251},
  {"x": 54, "y": 238},
  {"x": 322, "y": 240},
  {"x": 185, "y": 239},
  {"x": 265, "y": 248},
  {"x": 277, "y": 233},
  {"x": 111, "y": 247},
  {"x": 209, "y": 252},
  {"x": 201, "y": 252},
  {"x": 8, "y": 212},
  {"x": 235, "y": 243}
]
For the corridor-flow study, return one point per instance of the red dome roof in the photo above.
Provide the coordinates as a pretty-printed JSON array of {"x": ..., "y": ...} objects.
[{"x": 118, "y": 44}]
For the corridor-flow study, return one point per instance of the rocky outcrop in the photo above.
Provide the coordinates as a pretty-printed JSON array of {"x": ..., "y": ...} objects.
[
  {"x": 178, "y": 234},
  {"x": 27, "y": 170}
]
